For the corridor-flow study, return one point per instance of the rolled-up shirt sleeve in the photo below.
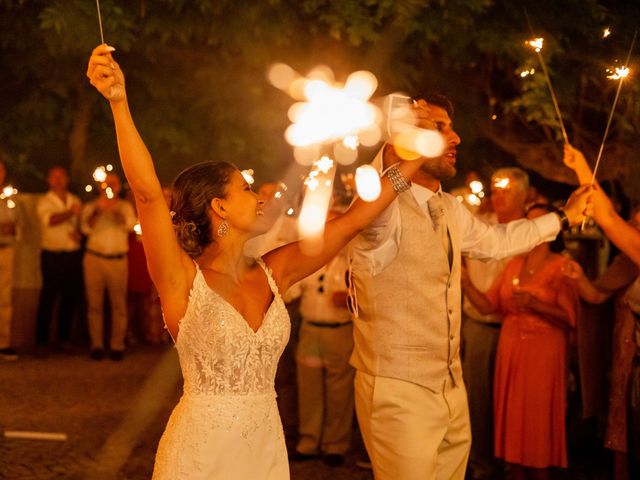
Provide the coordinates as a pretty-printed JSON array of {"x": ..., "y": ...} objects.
[
  {"x": 483, "y": 242},
  {"x": 377, "y": 245}
]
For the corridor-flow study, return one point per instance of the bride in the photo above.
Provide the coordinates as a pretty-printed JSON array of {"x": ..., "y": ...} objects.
[{"x": 223, "y": 310}]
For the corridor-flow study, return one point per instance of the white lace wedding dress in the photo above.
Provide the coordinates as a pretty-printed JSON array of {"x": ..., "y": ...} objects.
[{"x": 226, "y": 425}]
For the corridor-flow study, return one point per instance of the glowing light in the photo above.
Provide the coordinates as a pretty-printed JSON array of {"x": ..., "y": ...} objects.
[
  {"x": 100, "y": 174},
  {"x": 368, "y": 183},
  {"x": 324, "y": 164},
  {"x": 481, "y": 194},
  {"x": 536, "y": 43},
  {"x": 361, "y": 85},
  {"x": 88, "y": 188},
  {"x": 11, "y": 204},
  {"x": 618, "y": 73},
  {"x": 343, "y": 154},
  {"x": 476, "y": 186},
  {"x": 290, "y": 211},
  {"x": 329, "y": 112},
  {"x": 606, "y": 32},
  {"x": 248, "y": 176},
  {"x": 526, "y": 73},
  {"x": 501, "y": 182},
  {"x": 460, "y": 198},
  {"x": 8, "y": 192},
  {"x": 109, "y": 192},
  {"x": 109, "y": 168},
  {"x": 414, "y": 142},
  {"x": 281, "y": 76},
  {"x": 494, "y": 117},
  {"x": 137, "y": 229},
  {"x": 277, "y": 195},
  {"x": 312, "y": 183},
  {"x": 515, "y": 281},
  {"x": 472, "y": 199},
  {"x": 351, "y": 141}
]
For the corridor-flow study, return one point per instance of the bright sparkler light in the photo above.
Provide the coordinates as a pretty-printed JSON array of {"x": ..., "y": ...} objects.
[
  {"x": 413, "y": 143},
  {"x": 620, "y": 72},
  {"x": 100, "y": 174},
  {"x": 88, "y": 188},
  {"x": 8, "y": 192},
  {"x": 501, "y": 182},
  {"x": 606, "y": 32},
  {"x": 526, "y": 73},
  {"x": 11, "y": 204},
  {"x": 536, "y": 43},
  {"x": 329, "y": 112},
  {"x": 109, "y": 168},
  {"x": 109, "y": 193},
  {"x": 476, "y": 186},
  {"x": 248, "y": 176},
  {"x": 474, "y": 200},
  {"x": 368, "y": 183},
  {"x": 137, "y": 229},
  {"x": 351, "y": 142},
  {"x": 324, "y": 164}
]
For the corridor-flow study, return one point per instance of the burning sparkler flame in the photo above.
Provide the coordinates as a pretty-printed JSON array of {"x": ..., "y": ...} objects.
[
  {"x": 368, "y": 183},
  {"x": 606, "y": 32},
  {"x": 620, "y": 72},
  {"x": 501, "y": 182},
  {"x": 100, "y": 174},
  {"x": 536, "y": 43},
  {"x": 476, "y": 186}
]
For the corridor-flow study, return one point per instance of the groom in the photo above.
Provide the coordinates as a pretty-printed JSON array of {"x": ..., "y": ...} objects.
[{"x": 410, "y": 398}]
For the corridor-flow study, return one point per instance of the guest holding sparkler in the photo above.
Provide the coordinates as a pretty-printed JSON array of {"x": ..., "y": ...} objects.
[
  {"x": 9, "y": 232},
  {"x": 224, "y": 310},
  {"x": 107, "y": 222},
  {"x": 623, "y": 235},
  {"x": 539, "y": 308}
]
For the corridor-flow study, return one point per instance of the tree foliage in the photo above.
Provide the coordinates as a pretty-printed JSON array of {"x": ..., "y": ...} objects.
[{"x": 196, "y": 76}]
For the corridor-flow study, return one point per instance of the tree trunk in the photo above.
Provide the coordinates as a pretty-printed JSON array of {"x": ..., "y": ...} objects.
[{"x": 79, "y": 134}]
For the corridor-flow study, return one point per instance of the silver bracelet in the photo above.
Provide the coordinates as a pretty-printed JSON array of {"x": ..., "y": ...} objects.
[{"x": 398, "y": 182}]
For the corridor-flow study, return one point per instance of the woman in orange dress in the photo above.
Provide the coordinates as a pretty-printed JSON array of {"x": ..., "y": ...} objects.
[{"x": 539, "y": 306}]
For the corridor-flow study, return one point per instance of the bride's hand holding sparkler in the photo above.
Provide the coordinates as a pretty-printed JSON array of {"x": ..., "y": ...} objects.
[{"x": 105, "y": 74}]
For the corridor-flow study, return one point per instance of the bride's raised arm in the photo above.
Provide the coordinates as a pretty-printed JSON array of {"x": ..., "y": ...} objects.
[
  {"x": 290, "y": 264},
  {"x": 169, "y": 266}
]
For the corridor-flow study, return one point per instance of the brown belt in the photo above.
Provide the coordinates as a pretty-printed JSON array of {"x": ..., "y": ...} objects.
[{"x": 115, "y": 256}]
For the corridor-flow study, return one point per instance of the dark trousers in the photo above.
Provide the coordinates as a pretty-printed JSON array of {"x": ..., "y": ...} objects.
[{"x": 62, "y": 281}]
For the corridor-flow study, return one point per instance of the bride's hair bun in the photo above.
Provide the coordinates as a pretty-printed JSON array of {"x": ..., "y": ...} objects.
[{"x": 192, "y": 192}]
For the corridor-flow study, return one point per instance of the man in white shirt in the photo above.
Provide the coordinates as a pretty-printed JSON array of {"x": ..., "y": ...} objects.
[
  {"x": 107, "y": 222},
  {"x": 480, "y": 333},
  {"x": 410, "y": 399},
  {"x": 60, "y": 258}
]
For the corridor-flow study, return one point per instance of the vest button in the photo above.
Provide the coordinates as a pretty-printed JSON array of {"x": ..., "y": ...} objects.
[
  {"x": 452, "y": 337},
  {"x": 451, "y": 311}
]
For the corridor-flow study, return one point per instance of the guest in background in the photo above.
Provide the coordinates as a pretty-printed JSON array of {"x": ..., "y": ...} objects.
[
  {"x": 60, "y": 259},
  {"x": 325, "y": 377},
  {"x": 107, "y": 222},
  {"x": 9, "y": 232},
  {"x": 480, "y": 333},
  {"x": 621, "y": 279},
  {"x": 539, "y": 308}
]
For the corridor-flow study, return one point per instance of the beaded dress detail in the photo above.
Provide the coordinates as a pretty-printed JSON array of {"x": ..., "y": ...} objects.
[{"x": 226, "y": 425}]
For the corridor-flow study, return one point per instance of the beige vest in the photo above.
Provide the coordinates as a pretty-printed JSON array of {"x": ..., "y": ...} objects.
[{"x": 409, "y": 314}]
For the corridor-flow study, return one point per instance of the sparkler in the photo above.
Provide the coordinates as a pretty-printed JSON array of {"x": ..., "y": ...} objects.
[
  {"x": 537, "y": 44},
  {"x": 620, "y": 74},
  {"x": 100, "y": 22}
]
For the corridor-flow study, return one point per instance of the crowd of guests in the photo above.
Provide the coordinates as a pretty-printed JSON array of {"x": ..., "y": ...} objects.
[
  {"x": 519, "y": 316},
  {"x": 86, "y": 252}
]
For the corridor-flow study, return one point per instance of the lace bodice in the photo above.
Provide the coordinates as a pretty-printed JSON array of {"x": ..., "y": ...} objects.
[{"x": 219, "y": 353}]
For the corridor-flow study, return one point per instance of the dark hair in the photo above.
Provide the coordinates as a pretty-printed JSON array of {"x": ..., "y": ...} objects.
[
  {"x": 192, "y": 192},
  {"x": 438, "y": 100},
  {"x": 557, "y": 245}
]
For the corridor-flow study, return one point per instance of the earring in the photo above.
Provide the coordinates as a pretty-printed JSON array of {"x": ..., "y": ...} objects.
[{"x": 223, "y": 228}]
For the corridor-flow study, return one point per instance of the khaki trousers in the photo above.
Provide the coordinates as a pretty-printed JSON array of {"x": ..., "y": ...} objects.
[
  {"x": 110, "y": 274},
  {"x": 325, "y": 389},
  {"x": 411, "y": 432},
  {"x": 6, "y": 286}
]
